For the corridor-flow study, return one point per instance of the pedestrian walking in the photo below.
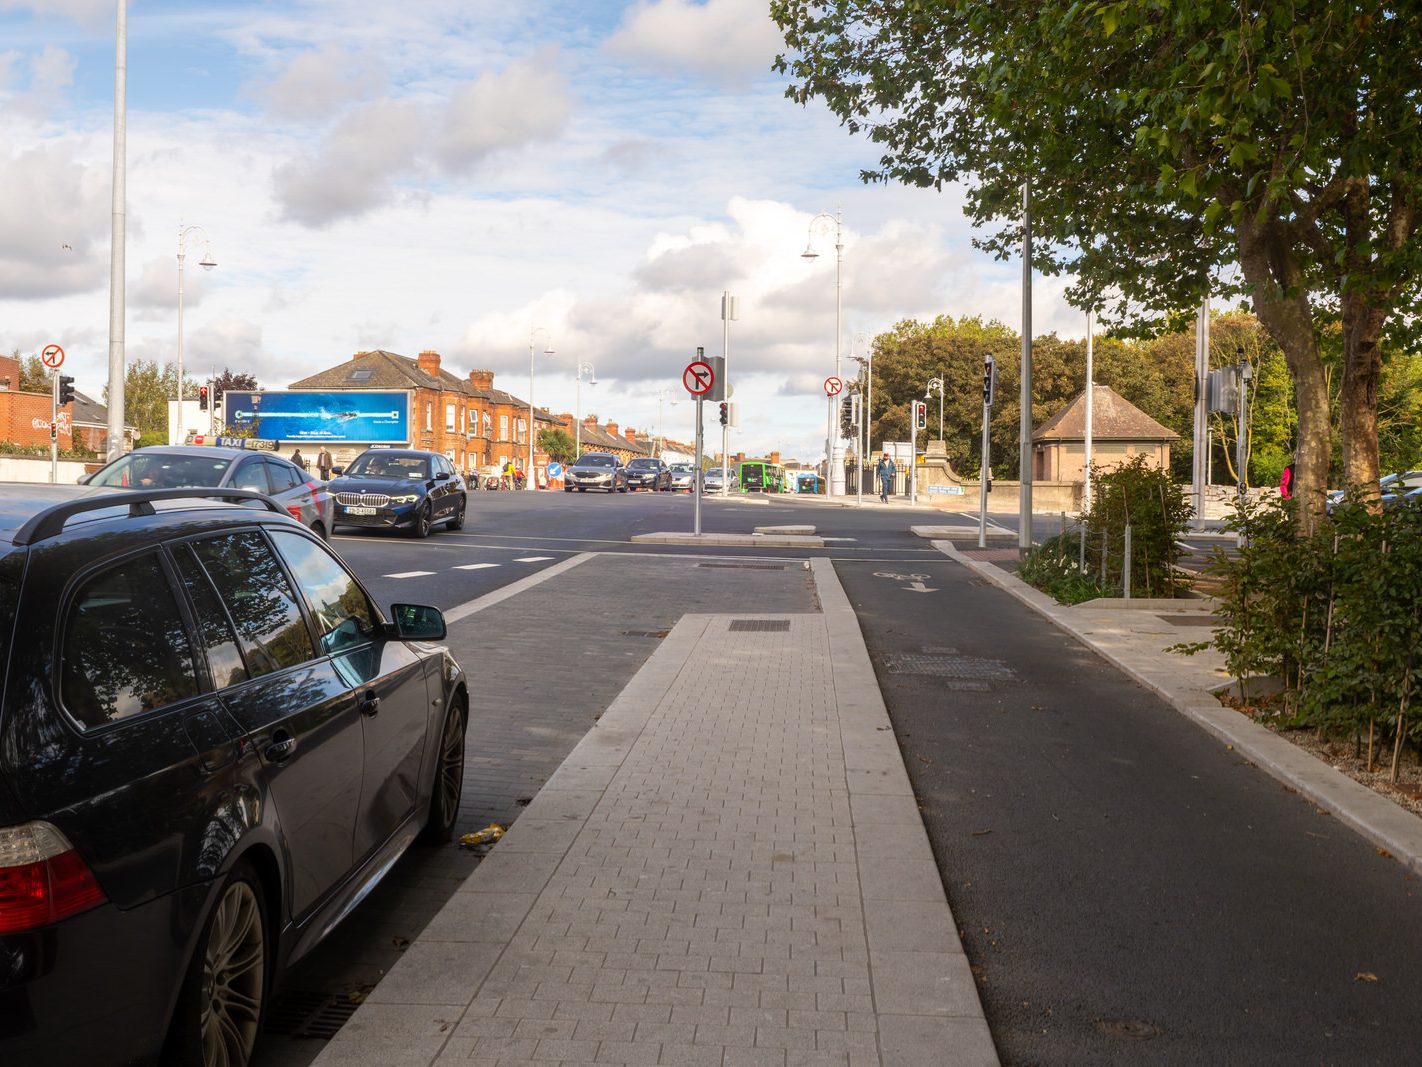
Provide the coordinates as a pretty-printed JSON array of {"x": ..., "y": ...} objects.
[
  {"x": 1286, "y": 482},
  {"x": 324, "y": 463},
  {"x": 296, "y": 458},
  {"x": 885, "y": 470}
]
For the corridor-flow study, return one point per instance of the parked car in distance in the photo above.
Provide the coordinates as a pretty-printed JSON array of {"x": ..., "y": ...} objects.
[
  {"x": 648, "y": 472},
  {"x": 307, "y": 499},
  {"x": 683, "y": 477},
  {"x": 395, "y": 488},
  {"x": 596, "y": 470},
  {"x": 712, "y": 480},
  {"x": 213, "y": 745}
]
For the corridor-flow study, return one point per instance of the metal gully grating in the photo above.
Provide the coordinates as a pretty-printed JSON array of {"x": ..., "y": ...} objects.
[
  {"x": 743, "y": 566},
  {"x": 761, "y": 626},
  {"x": 309, "y": 1015},
  {"x": 645, "y": 633},
  {"x": 961, "y": 668}
]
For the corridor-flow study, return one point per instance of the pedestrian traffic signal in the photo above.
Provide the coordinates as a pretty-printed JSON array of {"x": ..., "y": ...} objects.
[
  {"x": 202, "y": 398},
  {"x": 66, "y": 390},
  {"x": 989, "y": 380},
  {"x": 846, "y": 417},
  {"x": 920, "y": 415},
  {"x": 725, "y": 413},
  {"x": 216, "y": 395}
]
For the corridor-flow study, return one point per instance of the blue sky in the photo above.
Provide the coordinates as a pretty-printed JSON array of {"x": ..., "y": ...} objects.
[{"x": 451, "y": 175}]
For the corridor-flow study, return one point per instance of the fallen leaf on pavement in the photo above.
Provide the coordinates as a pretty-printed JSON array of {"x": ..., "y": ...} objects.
[{"x": 1365, "y": 976}]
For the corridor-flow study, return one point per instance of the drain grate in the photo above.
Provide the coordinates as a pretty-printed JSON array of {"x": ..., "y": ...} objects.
[
  {"x": 309, "y": 1015},
  {"x": 761, "y": 626},
  {"x": 962, "y": 668},
  {"x": 743, "y": 566}
]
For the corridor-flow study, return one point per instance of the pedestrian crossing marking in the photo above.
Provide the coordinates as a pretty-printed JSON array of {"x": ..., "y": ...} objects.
[
  {"x": 409, "y": 574},
  {"x": 532, "y": 559},
  {"x": 474, "y": 566}
]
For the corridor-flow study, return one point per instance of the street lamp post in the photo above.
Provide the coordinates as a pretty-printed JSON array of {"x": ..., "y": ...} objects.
[
  {"x": 206, "y": 263},
  {"x": 936, "y": 383},
  {"x": 810, "y": 253},
  {"x": 530, "y": 481},
  {"x": 118, "y": 235},
  {"x": 583, "y": 368}
]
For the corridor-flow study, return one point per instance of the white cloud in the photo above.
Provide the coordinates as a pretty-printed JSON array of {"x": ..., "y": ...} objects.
[
  {"x": 731, "y": 42},
  {"x": 503, "y": 109},
  {"x": 319, "y": 82},
  {"x": 155, "y": 293},
  {"x": 355, "y": 167},
  {"x": 54, "y": 213},
  {"x": 9, "y": 61},
  {"x": 88, "y": 12}
]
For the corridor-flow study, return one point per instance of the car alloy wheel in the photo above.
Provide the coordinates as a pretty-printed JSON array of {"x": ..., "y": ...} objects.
[
  {"x": 422, "y": 524},
  {"x": 457, "y": 523},
  {"x": 448, "y": 785},
  {"x": 234, "y": 972}
]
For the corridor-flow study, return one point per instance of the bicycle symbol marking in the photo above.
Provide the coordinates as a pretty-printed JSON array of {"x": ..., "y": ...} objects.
[{"x": 901, "y": 577}]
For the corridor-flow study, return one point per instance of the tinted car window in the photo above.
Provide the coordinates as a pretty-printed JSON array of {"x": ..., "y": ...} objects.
[
  {"x": 595, "y": 461},
  {"x": 257, "y": 595},
  {"x": 379, "y": 465},
  {"x": 344, "y": 615},
  {"x": 251, "y": 475},
  {"x": 126, "y": 650},
  {"x": 224, "y": 659},
  {"x": 645, "y": 464},
  {"x": 283, "y": 475}
]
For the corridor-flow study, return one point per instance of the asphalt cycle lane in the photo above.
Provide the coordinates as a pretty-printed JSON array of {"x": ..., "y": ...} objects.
[{"x": 1127, "y": 889}]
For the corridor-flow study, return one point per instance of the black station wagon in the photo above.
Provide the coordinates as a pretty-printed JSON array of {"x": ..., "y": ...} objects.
[{"x": 212, "y": 745}]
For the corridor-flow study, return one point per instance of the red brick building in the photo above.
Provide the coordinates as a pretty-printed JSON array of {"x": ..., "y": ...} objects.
[
  {"x": 24, "y": 417},
  {"x": 468, "y": 419}
]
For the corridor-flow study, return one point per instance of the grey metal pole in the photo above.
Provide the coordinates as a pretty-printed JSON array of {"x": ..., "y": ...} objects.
[
  {"x": 117, "y": 239},
  {"x": 983, "y": 470},
  {"x": 1024, "y": 444},
  {"x": 1086, "y": 485},
  {"x": 530, "y": 482},
  {"x": 1126, "y": 564},
  {"x": 179, "y": 435},
  {"x": 1240, "y": 451},
  {"x": 54, "y": 427},
  {"x": 838, "y": 338},
  {"x": 1199, "y": 466},
  {"x": 726, "y": 310},
  {"x": 696, "y": 508}
]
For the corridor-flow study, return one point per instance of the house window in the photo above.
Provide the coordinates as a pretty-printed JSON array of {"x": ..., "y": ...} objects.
[
  {"x": 449, "y": 423},
  {"x": 472, "y": 420},
  {"x": 522, "y": 431},
  {"x": 503, "y": 428},
  {"x": 429, "y": 416}
]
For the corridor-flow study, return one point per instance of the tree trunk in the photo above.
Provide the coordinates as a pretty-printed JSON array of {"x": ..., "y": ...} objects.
[
  {"x": 1358, "y": 399},
  {"x": 1281, "y": 301}
]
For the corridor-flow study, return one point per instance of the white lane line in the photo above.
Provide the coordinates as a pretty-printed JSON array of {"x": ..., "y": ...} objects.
[
  {"x": 532, "y": 559},
  {"x": 488, "y": 600},
  {"x": 839, "y": 539},
  {"x": 475, "y": 566},
  {"x": 409, "y": 574}
]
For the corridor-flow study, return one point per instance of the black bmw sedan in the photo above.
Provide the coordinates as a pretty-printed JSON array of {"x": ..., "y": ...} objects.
[{"x": 399, "y": 488}]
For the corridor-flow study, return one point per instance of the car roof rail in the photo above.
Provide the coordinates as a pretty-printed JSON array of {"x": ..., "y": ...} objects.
[{"x": 50, "y": 522}]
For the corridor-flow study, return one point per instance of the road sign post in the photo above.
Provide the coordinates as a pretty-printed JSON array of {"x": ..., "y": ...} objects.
[
  {"x": 989, "y": 390},
  {"x": 699, "y": 378}
]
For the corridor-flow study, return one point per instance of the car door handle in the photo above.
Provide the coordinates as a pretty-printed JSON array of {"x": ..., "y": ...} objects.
[
  {"x": 369, "y": 703},
  {"x": 282, "y": 746}
]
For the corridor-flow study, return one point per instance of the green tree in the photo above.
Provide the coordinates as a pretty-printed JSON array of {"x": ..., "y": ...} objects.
[
  {"x": 34, "y": 375},
  {"x": 1161, "y": 142},
  {"x": 558, "y": 443},
  {"x": 147, "y": 389}
]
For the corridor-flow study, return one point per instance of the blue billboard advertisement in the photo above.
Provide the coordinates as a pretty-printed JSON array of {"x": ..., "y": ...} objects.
[{"x": 354, "y": 415}]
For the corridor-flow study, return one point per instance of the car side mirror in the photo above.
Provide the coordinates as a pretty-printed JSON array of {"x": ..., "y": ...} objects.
[
  {"x": 338, "y": 470},
  {"x": 443, "y": 476},
  {"x": 418, "y": 622}
]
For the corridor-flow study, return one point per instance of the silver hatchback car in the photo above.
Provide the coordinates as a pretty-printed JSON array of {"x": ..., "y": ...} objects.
[{"x": 305, "y": 498}]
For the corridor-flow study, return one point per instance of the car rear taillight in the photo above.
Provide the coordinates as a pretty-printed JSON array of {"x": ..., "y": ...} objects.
[{"x": 42, "y": 878}]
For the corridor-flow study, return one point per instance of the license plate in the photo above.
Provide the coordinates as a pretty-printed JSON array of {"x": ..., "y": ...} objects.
[{"x": 361, "y": 511}]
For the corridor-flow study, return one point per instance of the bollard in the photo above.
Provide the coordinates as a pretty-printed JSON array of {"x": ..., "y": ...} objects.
[{"x": 1126, "y": 565}]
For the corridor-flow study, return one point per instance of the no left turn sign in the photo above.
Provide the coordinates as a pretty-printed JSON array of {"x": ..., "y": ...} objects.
[
  {"x": 52, "y": 356},
  {"x": 698, "y": 378}
]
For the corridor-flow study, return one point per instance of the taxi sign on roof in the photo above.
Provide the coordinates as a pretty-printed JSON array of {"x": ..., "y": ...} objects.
[{"x": 259, "y": 444}]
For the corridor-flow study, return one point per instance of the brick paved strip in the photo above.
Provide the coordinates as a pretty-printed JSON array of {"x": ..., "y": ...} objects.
[{"x": 729, "y": 868}]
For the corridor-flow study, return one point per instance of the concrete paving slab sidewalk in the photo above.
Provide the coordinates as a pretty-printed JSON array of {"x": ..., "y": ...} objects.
[
  {"x": 729, "y": 869},
  {"x": 1135, "y": 636}
]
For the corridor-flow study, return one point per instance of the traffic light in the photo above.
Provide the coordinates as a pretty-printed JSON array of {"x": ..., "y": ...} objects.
[
  {"x": 989, "y": 380},
  {"x": 846, "y": 417},
  {"x": 216, "y": 395},
  {"x": 725, "y": 413},
  {"x": 202, "y": 398},
  {"x": 920, "y": 415},
  {"x": 66, "y": 390}
]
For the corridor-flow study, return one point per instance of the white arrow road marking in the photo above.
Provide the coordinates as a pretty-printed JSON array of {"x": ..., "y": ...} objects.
[
  {"x": 474, "y": 566},
  {"x": 918, "y": 587},
  {"x": 532, "y": 559},
  {"x": 409, "y": 574}
]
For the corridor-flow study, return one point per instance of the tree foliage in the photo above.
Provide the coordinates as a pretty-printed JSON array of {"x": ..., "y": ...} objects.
[
  {"x": 1162, "y": 142},
  {"x": 558, "y": 443}
]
